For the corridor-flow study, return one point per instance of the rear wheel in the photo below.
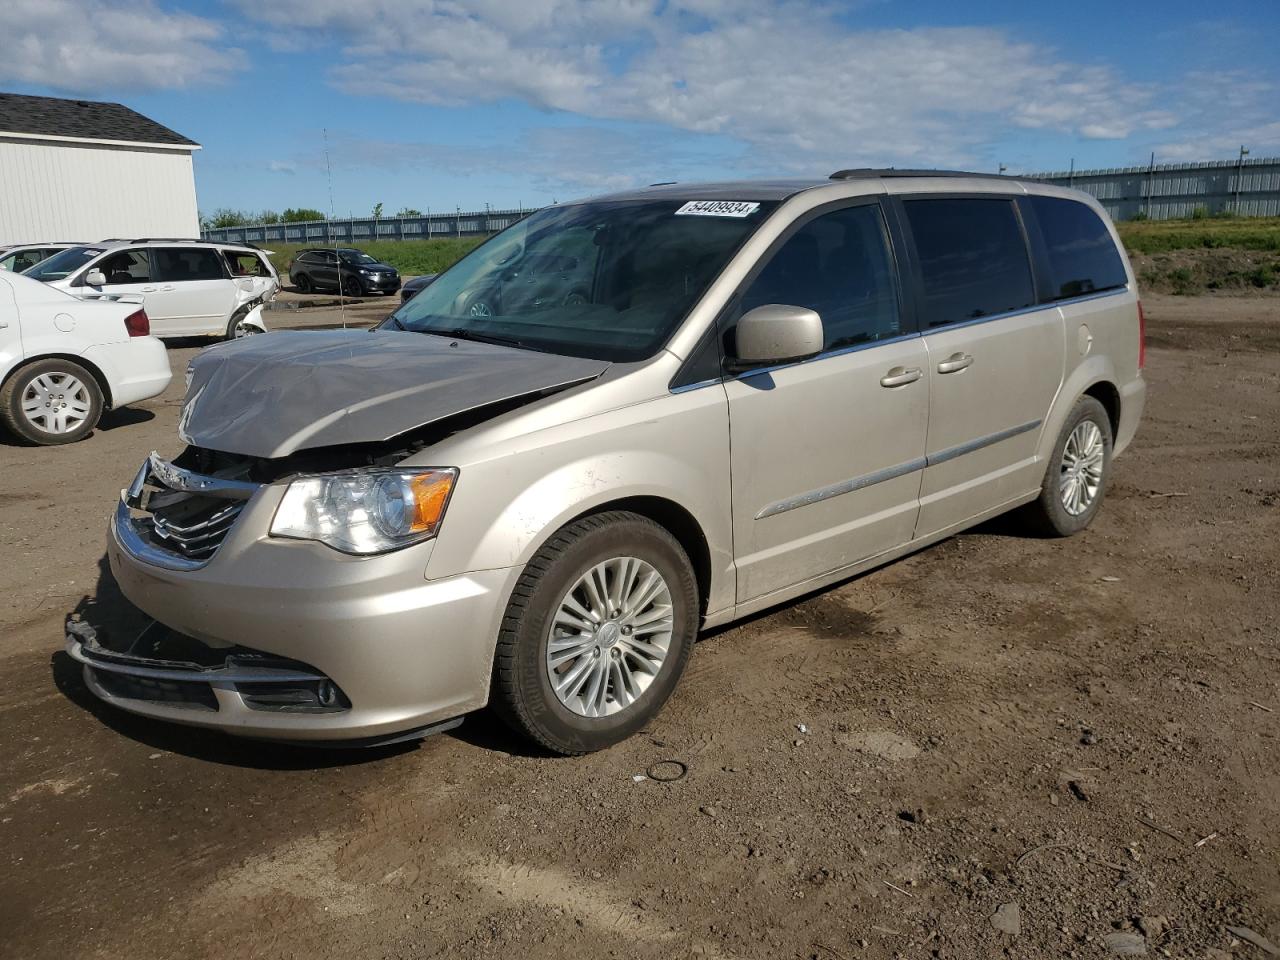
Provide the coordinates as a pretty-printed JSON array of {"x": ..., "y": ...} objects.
[
  {"x": 1078, "y": 473},
  {"x": 51, "y": 402},
  {"x": 597, "y": 633},
  {"x": 237, "y": 329}
]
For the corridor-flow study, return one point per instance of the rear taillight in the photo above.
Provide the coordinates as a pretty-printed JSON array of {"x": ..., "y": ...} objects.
[
  {"x": 138, "y": 324},
  {"x": 1142, "y": 337}
]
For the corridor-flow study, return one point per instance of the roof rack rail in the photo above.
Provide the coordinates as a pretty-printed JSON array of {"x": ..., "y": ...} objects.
[
  {"x": 860, "y": 173},
  {"x": 166, "y": 240}
]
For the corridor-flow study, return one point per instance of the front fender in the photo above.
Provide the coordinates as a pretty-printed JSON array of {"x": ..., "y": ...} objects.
[{"x": 675, "y": 448}]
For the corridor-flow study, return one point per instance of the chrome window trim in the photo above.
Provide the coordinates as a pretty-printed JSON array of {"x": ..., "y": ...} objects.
[
  {"x": 1049, "y": 305},
  {"x": 893, "y": 472}
]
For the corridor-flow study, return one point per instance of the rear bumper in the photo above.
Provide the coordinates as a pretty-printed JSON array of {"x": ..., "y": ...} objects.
[
  {"x": 135, "y": 369},
  {"x": 1133, "y": 398},
  {"x": 404, "y": 651}
]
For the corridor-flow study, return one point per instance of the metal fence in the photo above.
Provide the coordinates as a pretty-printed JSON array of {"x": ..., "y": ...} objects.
[
  {"x": 1168, "y": 191},
  {"x": 365, "y": 229},
  {"x": 1162, "y": 191}
]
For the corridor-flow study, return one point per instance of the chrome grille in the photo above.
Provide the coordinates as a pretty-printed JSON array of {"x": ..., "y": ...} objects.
[
  {"x": 174, "y": 517},
  {"x": 195, "y": 534}
]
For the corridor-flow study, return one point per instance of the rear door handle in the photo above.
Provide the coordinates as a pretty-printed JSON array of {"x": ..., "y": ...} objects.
[
  {"x": 168, "y": 287},
  {"x": 148, "y": 289},
  {"x": 898, "y": 377},
  {"x": 955, "y": 363}
]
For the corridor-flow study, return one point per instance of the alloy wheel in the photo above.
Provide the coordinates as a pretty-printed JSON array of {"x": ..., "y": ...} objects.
[
  {"x": 609, "y": 637},
  {"x": 1083, "y": 459},
  {"x": 56, "y": 402}
]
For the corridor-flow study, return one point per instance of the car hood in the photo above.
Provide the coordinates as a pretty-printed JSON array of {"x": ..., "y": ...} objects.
[
  {"x": 268, "y": 396},
  {"x": 418, "y": 282},
  {"x": 379, "y": 266}
]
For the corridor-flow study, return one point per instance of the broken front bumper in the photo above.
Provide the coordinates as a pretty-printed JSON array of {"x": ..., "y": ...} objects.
[{"x": 405, "y": 652}]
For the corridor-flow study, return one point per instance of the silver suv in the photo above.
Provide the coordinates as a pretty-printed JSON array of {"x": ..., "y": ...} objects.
[{"x": 614, "y": 424}]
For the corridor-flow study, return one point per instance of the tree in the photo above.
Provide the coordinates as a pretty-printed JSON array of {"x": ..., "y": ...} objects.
[
  {"x": 377, "y": 210},
  {"x": 226, "y": 217},
  {"x": 300, "y": 215},
  {"x": 409, "y": 212},
  {"x": 268, "y": 216}
]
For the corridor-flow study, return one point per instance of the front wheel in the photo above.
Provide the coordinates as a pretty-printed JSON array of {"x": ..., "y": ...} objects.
[
  {"x": 597, "y": 633},
  {"x": 1078, "y": 473},
  {"x": 303, "y": 283},
  {"x": 51, "y": 402}
]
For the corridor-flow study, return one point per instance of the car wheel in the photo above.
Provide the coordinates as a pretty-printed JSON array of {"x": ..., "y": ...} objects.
[
  {"x": 237, "y": 329},
  {"x": 350, "y": 286},
  {"x": 597, "y": 633},
  {"x": 303, "y": 283},
  {"x": 1079, "y": 470},
  {"x": 51, "y": 402}
]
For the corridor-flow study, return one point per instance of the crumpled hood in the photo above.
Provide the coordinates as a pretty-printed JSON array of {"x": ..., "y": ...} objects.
[{"x": 270, "y": 395}]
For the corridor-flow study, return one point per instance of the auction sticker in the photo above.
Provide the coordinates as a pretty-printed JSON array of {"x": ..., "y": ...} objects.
[{"x": 717, "y": 208}]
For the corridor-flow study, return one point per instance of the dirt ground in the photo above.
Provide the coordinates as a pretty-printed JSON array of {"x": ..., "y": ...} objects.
[{"x": 1000, "y": 746}]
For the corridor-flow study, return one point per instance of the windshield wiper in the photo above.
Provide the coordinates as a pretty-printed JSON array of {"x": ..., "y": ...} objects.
[
  {"x": 462, "y": 333},
  {"x": 396, "y": 320}
]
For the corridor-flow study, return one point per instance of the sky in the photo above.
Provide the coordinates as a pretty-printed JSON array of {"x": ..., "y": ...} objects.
[{"x": 437, "y": 104}]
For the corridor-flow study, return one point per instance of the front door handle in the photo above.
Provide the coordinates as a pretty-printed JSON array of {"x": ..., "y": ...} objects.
[
  {"x": 168, "y": 288},
  {"x": 148, "y": 289},
  {"x": 955, "y": 363},
  {"x": 898, "y": 377}
]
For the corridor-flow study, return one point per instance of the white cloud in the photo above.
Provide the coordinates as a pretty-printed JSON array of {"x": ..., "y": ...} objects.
[
  {"x": 282, "y": 166},
  {"x": 798, "y": 87},
  {"x": 1224, "y": 110},
  {"x": 85, "y": 47},
  {"x": 563, "y": 162}
]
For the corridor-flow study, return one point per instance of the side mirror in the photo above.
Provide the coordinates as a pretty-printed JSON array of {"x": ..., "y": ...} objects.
[
  {"x": 95, "y": 278},
  {"x": 776, "y": 333}
]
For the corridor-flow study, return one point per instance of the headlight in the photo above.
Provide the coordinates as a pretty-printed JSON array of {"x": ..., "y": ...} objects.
[
  {"x": 366, "y": 511},
  {"x": 367, "y": 273}
]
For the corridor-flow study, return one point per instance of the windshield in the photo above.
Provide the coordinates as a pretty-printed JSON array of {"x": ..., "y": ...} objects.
[
  {"x": 356, "y": 256},
  {"x": 607, "y": 280},
  {"x": 62, "y": 265}
]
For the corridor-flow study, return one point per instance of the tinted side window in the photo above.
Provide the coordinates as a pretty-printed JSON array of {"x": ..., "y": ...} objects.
[
  {"x": 837, "y": 264},
  {"x": 175, "y": 264},
  {"x": 1082, "y": 256},
  {"x": 973, "y": 259}
]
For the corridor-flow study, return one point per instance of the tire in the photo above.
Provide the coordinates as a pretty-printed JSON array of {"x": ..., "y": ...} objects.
[
  {"x": 1064, "y": 507},
  {"x": 523, "y": 694},
  {"x": 350, "y": 286},
  {"x": 54, "y": 381},
  {"x": 303, "y": 283}
]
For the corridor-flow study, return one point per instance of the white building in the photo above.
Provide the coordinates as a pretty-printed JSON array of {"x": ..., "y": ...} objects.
[{"x": 76, "y": 170}]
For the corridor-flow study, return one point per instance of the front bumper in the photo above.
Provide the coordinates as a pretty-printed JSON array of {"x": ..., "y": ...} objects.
[
  {"x": 405, "y": 652},
  {"x": 381, "y": 284}
]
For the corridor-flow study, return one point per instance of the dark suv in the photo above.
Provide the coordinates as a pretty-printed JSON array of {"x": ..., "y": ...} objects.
[{"x": 352, "y": 271}]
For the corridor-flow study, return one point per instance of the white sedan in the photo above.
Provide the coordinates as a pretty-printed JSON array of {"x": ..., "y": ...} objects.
[{"x": 64, "y": 360}]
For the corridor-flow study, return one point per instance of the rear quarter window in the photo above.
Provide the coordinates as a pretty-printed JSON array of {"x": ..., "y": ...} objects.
[
  {"x": 1082, "y": 256},
  {"x": 973, "y": 258}
]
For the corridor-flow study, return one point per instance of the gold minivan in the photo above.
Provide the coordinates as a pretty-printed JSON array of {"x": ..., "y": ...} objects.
[{"x": 614, "y": 424}]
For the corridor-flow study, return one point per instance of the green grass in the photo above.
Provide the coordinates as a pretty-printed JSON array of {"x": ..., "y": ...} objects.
[
  {"x": 411, "y": 257},
  {"x": 1165, "y": 236}
]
